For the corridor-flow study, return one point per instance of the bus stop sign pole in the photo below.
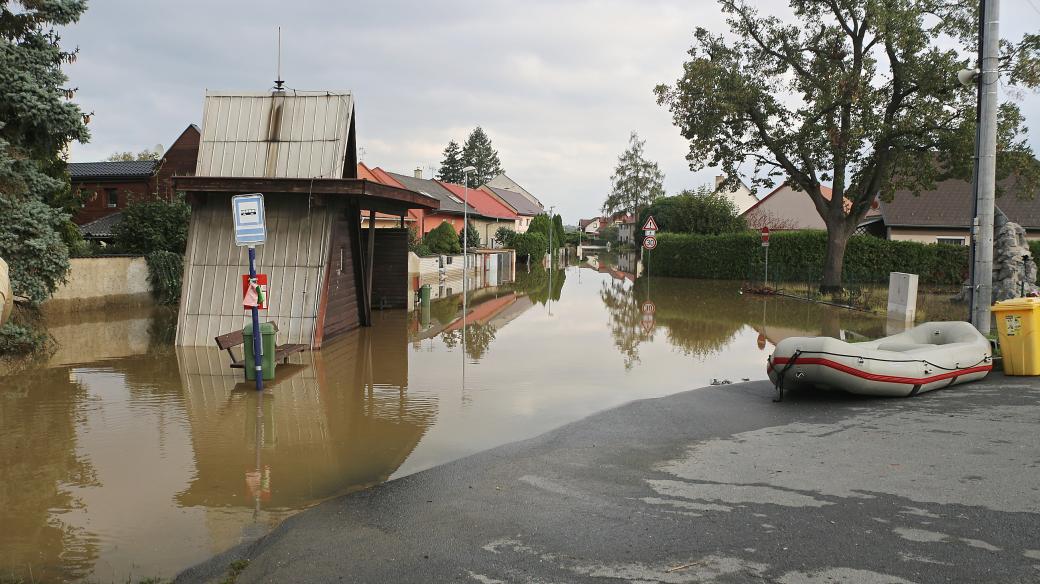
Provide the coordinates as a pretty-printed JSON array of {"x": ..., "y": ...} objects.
[
  {"x": 251, "y": 230},
  {"x": 256, "y": 324}
]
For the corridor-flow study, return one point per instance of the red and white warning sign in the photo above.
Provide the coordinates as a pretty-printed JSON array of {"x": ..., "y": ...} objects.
[
  {"x": 765, "y": 237},
  {"x": 250, "y": 297},
  {"x": 650, "y": 224}
]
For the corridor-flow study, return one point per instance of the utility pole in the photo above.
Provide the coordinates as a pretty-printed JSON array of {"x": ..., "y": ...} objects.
[{"x": 986, "y": 172}]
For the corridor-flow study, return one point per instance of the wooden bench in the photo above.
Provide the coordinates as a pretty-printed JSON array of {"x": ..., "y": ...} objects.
[{"x": 227, "y": 341}]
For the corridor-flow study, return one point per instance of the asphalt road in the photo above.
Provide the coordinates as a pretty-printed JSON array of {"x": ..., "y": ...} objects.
[{"x": 713, "y": 485}]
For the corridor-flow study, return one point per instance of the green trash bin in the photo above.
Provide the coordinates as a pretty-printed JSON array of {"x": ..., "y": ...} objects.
[
  {"x": 267, "y": 362},
  {"x": 424, "y": 295}
]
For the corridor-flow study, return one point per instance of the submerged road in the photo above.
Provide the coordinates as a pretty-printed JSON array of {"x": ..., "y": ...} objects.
[{"x": 712, "y": 485}]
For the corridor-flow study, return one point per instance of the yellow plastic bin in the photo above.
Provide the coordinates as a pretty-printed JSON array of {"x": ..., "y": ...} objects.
[{"x": 1018, "y": 324}]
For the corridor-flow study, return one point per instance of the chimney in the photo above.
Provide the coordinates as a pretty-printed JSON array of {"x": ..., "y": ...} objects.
[
  {"x": 418, "y": 172},
  {"x": 719, "y": 178}
]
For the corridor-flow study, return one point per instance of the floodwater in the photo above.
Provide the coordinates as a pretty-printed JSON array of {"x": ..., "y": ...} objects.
[{"x": 124, "y": 458}]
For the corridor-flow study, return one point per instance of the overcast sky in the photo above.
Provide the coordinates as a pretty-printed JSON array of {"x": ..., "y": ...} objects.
[{"x": 558, "y": 85}]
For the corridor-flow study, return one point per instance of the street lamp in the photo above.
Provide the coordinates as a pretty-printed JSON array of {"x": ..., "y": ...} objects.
[
  {"x": 465, "y": 267},
  {"x": 465, "y": 224}
]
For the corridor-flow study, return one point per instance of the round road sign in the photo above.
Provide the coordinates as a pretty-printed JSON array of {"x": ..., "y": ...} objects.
[
  {"x": 649, "y": 243},
  {"x": 649, "y": 307}
]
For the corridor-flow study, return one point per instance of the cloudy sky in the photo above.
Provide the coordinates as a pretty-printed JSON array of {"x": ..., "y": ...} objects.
[{"x": 557, "y": 84}]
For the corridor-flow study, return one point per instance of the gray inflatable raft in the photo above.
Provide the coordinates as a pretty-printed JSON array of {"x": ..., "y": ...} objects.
[{"x": 929, "y": 356}]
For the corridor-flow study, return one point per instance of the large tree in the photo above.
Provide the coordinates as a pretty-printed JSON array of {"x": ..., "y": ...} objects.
[
  {"x": 452, "y": 164},
  {"x": 37, "y": 121},
  {"x": 636, "y": 183},
  {"x": 146, "y": 154},
  {"x": 859, "y": 94},
  {"x": 479, "y": 154}
]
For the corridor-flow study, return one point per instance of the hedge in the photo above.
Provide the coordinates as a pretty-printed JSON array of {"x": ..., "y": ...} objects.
[{"x": 799, "y": 255}]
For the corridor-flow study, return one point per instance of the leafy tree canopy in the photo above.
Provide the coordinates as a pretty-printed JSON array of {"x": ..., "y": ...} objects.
[
  {"x": 31, "y": 243},
  {"x": 479, "y": 154},
  {"x": 151, "y": 226},
  {"x": 703, "y": 210},
  {"x": 862, "y": 95},
  {"x": 146, "y": 154},
  {"x": 636, "y": 182}
]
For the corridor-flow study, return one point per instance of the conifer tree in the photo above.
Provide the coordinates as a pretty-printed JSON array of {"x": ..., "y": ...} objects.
[
  {"x": 37, "y": 121},
  {"x": 452, "y": 164},
  {"x": 479, "y": 154}
]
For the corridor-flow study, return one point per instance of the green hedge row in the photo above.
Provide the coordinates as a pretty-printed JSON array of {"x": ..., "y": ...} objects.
[{"x": 799, "y": 255}]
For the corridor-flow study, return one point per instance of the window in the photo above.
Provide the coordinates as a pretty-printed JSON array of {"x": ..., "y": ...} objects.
[
  {"x": 950, "y": 240},
  {"x": 454, "y": 198},
  {"x": 111, "y": 198}
]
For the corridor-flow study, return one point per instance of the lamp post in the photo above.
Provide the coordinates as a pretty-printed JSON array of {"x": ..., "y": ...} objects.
[{"x": 465, "y": 268}]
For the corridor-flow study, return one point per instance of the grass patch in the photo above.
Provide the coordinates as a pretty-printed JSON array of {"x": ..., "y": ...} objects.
[{"x": 234, "y": 569}]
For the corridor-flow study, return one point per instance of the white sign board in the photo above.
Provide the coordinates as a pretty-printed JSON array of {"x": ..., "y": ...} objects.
[{"x": 250, "y": 220}]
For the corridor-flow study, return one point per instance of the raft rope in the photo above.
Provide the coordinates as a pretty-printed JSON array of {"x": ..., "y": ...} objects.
[
  {"x": 780, "y": 377},
  {"x": 865, "y": 358}
]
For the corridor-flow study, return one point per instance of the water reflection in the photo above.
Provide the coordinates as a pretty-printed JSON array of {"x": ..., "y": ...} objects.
[{"x": 140, "y": 459}]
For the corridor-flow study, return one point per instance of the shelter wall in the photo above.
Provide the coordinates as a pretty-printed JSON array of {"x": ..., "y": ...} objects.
[
  {"x": 293, "y": 258},
  {"x": 390, "y": 268},
  {"x": 341, "y": 311}
]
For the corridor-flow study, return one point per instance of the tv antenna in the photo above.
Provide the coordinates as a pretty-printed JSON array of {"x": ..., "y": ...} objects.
[{"x": 279, "y": 82}]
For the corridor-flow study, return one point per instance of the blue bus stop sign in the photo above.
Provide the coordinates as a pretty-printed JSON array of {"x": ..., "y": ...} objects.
[{"x": 250, "y": 220}]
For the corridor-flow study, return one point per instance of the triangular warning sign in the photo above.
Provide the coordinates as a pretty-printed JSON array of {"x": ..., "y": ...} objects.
[{"x": 650, "y": 224}]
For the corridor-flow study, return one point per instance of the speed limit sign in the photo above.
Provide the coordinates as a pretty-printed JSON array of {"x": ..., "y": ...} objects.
[{"x": 649, "y": 243}]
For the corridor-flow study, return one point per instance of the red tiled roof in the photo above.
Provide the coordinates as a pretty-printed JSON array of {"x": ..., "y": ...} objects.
[{"x": 484, "y": 203}]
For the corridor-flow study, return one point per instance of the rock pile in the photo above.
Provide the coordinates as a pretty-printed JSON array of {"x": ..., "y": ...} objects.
[{"x": 1014, "y": 269}]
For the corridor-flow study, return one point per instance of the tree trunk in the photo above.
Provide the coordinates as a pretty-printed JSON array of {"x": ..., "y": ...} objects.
[{"x": 837, "y": 240}]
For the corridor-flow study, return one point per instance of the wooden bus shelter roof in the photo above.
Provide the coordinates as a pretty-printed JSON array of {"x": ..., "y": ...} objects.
[{"x": 370, "y": 195}]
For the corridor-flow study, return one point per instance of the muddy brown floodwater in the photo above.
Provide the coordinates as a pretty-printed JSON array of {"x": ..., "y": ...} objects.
[{"x": 124, "y": 458}]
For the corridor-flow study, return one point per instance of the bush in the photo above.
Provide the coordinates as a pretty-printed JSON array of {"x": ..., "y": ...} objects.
[
  {"x": 505, "y": 236},
  {"x": 533, "y": 245},
  {"x": 443, "y": 240},
  {"x": 152, "y": 226},
  {"x": 165, "y": 269},
  {"x": 16, "y": 339},
  {"x": 799, "y": 255},
  {"x": 31, "y": 243}
]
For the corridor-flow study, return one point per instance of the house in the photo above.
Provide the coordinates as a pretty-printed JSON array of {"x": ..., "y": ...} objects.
[
  {"x": 108, "y": 187},
  {"x": 325, "y": 273},
  {"x": 627, "y": 230},
  {"x": 741, "y": 196},
  {"x": 945, "y": 213},
  {"x": 525, "y": 206},
  {"x": 385, "y": 220},
  {"x": 504, "y": 182},
  {"x": 451, "y": 208},
  {"x": 786, "y": 208},
  {"x": 590, "y": 227},
  {"x": 492, "y": 213}
]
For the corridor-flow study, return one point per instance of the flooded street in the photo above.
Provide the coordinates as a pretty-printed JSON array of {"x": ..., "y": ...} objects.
[{"x": 125, "y": 458}]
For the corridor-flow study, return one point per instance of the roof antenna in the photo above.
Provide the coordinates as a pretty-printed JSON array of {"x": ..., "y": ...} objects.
[{"x": 279, "y": 82}]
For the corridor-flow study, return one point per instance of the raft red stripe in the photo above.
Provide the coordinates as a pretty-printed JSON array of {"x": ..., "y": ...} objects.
[{"x": 878, "y": 377}]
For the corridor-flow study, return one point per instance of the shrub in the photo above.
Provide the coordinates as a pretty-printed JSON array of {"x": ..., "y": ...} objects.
[
  {"x": 530, "y": 245},
  {"x": 505, "y": 236},
  {"x": 16, "y": 339},
  {"x": 31, "y": 243},
  {"x": 799, "y": 255},
  {"x": 165, "y": 269},
  {"x": 152, "y": 226},
  {"x": 443, "y": 240}
]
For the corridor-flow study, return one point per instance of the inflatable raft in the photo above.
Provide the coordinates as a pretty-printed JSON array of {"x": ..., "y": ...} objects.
[{"x": 929, "y": 356}]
